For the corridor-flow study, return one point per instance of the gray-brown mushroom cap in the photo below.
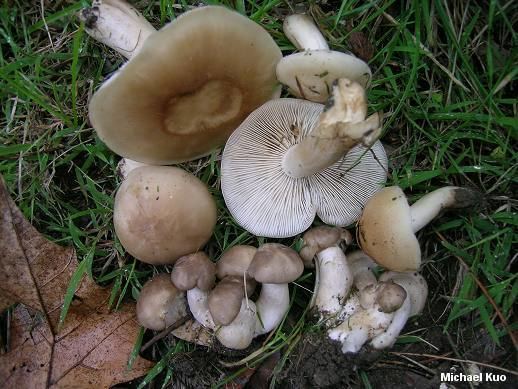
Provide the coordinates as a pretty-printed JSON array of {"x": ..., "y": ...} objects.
[
  {"x": 194, "y": 270},
  {"x": 225, "y": 299},
  {"x": 162, "y": 213},
  {"x": 264, "y": 200},
  {"x": 192, "y": 83},
  {"x": 235, "y": 261},
  {"x": 275, "y": 263},
  {"x": 160, "y": 303},
  {"x": 320, "y": 238}
]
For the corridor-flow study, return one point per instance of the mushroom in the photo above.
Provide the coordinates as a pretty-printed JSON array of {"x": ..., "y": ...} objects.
[
  {"x": 274, "y": 265},
  {"x": 387, "y": 227},
  {"x": 378, "y": 304},
  {"x": 235, "y": 262},
  {"x": 225, "y": 299},
  {"x": 416, "y": 293},
  {"x": 311, "y": 73},
  {"x": 162, "y": 213},
  {"x": 194, "y": 271},
  {"x": 160, "y": 304},
  {"x": 361, "y": 267},
  {"x": 239, "y": 334},
  {"x": 187, "y": 88},
  {"x": 285, "y": 164},
  {"x": 333, "y": 278}
]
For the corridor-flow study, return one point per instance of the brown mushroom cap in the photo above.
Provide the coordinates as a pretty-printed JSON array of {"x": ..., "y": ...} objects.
[
  {"x": 194, "y": 270},
  {"x": 162, "y": 213},
  {"x": 275, "y": 263},
  {"x": 320, "y": 238},
  {"x": 190, "y": 86},
  {"x": 160, "y": 303},
  {"x": 235, "y": 261},
  {"x": 385, "y": 231},
  {"x": 225, "y": 299}
]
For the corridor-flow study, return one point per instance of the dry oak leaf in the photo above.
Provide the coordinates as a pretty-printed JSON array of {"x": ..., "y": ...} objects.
[{"x": 93, "y": 345}]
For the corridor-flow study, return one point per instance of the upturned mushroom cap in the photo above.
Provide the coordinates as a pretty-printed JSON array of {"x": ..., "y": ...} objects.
[
  {"x": 264, "y": 200},
  {"x": 225, "y": 299},
  {"x": 275, "y": 263},
  {"x": 194, "y": 270},
  {"x": 310, "y": 74},
  {"x": 385, "y": 231},
  {"x": 160, "y": 303},
  {"x": 320, "y": 238},
  {"x": 162, "y": 213},
  {"x": 188, "y": 88}
]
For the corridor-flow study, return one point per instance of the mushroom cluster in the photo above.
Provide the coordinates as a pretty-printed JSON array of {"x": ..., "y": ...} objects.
[{"x": 225, "y": 308}]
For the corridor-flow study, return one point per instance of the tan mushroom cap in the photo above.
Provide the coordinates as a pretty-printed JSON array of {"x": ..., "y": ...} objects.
[
  {"x": 190, "y": 86},
  {"x": 162, "y": 213},
  {"x": 160, "y": 303},
  {"x": 235, "y": 261},
  {"x": 275, "y": 263},
  {"x": 385, "y": 231},
  {"x": 225, "y": 299},
  {"x": 194, "y": 270}
]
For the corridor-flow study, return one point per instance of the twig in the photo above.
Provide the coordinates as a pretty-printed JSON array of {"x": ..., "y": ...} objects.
[
  {"x": 163, "y": 333},
  {"x": 486, "y": 293},
  {"x": 455, "y": 360}
]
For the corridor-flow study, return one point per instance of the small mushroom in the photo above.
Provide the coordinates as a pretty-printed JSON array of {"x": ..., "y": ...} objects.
[
  {"x": 235, "y": 262},
  {"x": 333, "y": 278},
  {"x": 162, "y": 213},
  {"x": 274, "y": 265},
  {"x": 239, "y": 334},
  {"x": 416, "y": 293},
  {"x": 187, "y": 87},
  {"x": 291, "y": 160},
  {"x": 194, "y": 271},
  {"x": 387, "y": 227},
  {"x": 225, "y": 299},
  {"x": 379, "y": 302},
  {"x": 311, "y": 73},
  {"x": 160, "y": 304},
  {"x": 361, "y": 266}
]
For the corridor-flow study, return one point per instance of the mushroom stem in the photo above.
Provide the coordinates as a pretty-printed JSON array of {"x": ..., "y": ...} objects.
[
  {"x": 198, "y": 301},
  {"x": 333, "y": 282},
  {"x": 389, "y": 336},
  {"x": 116, "y": 24},
  {"x": 272, "y": 305},
  {"x": 429, "y": 206},
  {"x": 303, "y": 33},
  {"x": 341, "y": 126}
]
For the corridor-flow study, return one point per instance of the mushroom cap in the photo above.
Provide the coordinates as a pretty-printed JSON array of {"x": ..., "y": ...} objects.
[
  {"x": 235, "y": 261},
  {"x": 385, "y": 231},
  {"x": 275, "y": 263},
  {"x": 264, "y": 200},
  {"x": 194, "y": 270},
  {"x": 192, "y": 83},
  {"x": 415, "y": 286},
  {"x": 239, "y": 333},
  {"x": 310, "y": 74},
  {"x": 162, "y": 213},
  {"x": 160, "y": 303},
  {"x": 320, "y": 238},
  {"x": 225, "y": 299}
]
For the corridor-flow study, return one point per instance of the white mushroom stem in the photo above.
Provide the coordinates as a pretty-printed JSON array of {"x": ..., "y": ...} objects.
[
  {"x": 117, "y": 24},
  {"x": 360, "y": 327},
  {"x": 341, "y": 126},
  {"x": 198, "y": 301},
  {"x": 239, "y": 333},
  {"x": 303, "y": 33},
  {"x": 272, "y": 305},
  {"x": 333, "y": 282},
  {"x": 429, "y": 206}
]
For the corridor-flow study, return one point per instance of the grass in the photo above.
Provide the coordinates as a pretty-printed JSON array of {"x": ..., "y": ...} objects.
[{"x": 444, "y": 74}]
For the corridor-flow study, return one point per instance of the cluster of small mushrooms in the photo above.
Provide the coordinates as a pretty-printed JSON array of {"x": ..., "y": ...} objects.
[{"x": 211, "y": 78}]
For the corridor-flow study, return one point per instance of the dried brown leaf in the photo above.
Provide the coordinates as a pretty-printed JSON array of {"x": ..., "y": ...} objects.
[{"x": 92, "y": 347}]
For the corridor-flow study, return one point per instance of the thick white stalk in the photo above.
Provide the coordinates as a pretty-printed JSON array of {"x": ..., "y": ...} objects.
[
  {"x": 272, "y": 305},
  {"x": 389, "y": 336},
  {"x": 333, "y": 282},
  {"x": 117, "y": 24},
  {"x": 428, "y": 207},
  {"x": 303, "y": 33},
  {"x": 240, "y": 332},
  {"x": 341, "y": 126},
  {"x": 198, "y": 301}
]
